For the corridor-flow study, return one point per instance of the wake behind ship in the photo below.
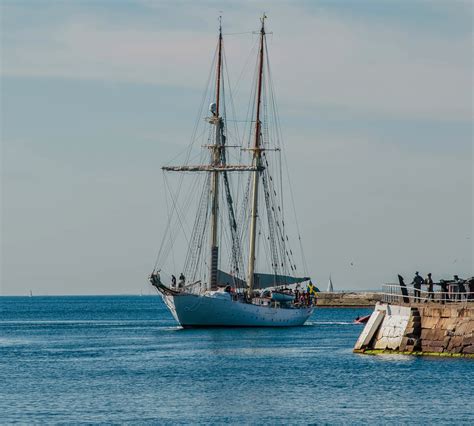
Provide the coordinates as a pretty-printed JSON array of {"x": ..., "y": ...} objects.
[{"x": 239, "y": 215}]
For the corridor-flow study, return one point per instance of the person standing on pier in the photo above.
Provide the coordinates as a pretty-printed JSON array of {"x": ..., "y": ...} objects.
[
  {"x": 444, "y": 291},
  {"x": 429, "y": 283},
  {"x": 470, "y": 287},
  {"x": 417, "y": 281},
  {"x": 461, "y": 289}
]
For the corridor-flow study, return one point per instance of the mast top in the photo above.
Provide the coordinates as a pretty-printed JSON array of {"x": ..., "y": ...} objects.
[{"x": 262, "y": 20}]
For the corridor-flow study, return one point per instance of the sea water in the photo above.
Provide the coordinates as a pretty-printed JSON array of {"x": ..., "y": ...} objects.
[{"x": 124, "y": 360}]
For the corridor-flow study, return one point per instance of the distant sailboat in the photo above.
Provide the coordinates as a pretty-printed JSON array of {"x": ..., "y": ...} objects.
[
  {"x": 31, "y": 293},
  {"x": 330, "y": 287}
]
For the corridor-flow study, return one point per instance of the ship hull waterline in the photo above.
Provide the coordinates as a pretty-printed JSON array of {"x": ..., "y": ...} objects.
[{"x": 198, "y": 311}]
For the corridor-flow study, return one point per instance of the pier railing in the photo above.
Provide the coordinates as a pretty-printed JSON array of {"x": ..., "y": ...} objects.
[{"x": 394, "y": 293}]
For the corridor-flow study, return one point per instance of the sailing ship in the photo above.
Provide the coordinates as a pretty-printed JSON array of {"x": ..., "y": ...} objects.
[{"x": 206, "y": 295}]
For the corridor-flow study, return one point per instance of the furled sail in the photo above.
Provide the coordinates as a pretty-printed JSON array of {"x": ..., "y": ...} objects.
[
  {"x": 270, "y": 280},
  {"x": 260, "y": 280},
  {"x": 223, "y": 278}
]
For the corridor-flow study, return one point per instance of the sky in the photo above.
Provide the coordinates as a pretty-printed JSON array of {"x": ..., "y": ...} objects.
[{"x": 375, "y": 102}]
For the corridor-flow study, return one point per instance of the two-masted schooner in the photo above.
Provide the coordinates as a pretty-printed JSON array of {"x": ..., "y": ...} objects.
[{"x": 245, "y": 215}]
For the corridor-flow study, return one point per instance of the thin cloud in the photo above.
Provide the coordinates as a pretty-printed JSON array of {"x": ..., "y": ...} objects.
[{"x": 317, "y": 59}]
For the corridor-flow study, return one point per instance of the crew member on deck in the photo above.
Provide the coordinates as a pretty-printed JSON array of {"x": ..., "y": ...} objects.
[{"x": 181, "y": 280}]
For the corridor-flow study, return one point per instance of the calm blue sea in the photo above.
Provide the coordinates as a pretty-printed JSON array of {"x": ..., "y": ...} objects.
[{"x": 124, "y": 360}]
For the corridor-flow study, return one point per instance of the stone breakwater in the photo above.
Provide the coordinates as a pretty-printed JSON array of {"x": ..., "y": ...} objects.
[
  {"x": 432, "y": 329},
  {"x": 348, "y": 299}
]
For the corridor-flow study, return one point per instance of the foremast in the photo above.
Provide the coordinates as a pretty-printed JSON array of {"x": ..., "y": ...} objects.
[
  {"x": 215, "y": 162},
  {"x": 256, "y": 162}
]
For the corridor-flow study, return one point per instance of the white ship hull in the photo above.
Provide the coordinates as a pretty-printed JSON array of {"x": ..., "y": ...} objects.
[{"x": 192, "y": 310}]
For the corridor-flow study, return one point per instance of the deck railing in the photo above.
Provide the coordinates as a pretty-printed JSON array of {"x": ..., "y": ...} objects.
[{"x": 394, "y": 293}]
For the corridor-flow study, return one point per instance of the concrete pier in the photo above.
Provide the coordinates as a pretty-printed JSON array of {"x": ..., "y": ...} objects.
[
  {"x": 345, "y": 299},
  {"x": 419, "y": 329}
]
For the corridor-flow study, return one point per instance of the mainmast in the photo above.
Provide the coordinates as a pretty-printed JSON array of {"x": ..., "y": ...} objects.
[
  {"x": 256, "y": 163},
  {"x": 215, "y": 161}
]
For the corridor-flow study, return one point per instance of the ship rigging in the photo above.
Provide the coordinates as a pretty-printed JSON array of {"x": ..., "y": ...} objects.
[{"x": 239, "y": 225}]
